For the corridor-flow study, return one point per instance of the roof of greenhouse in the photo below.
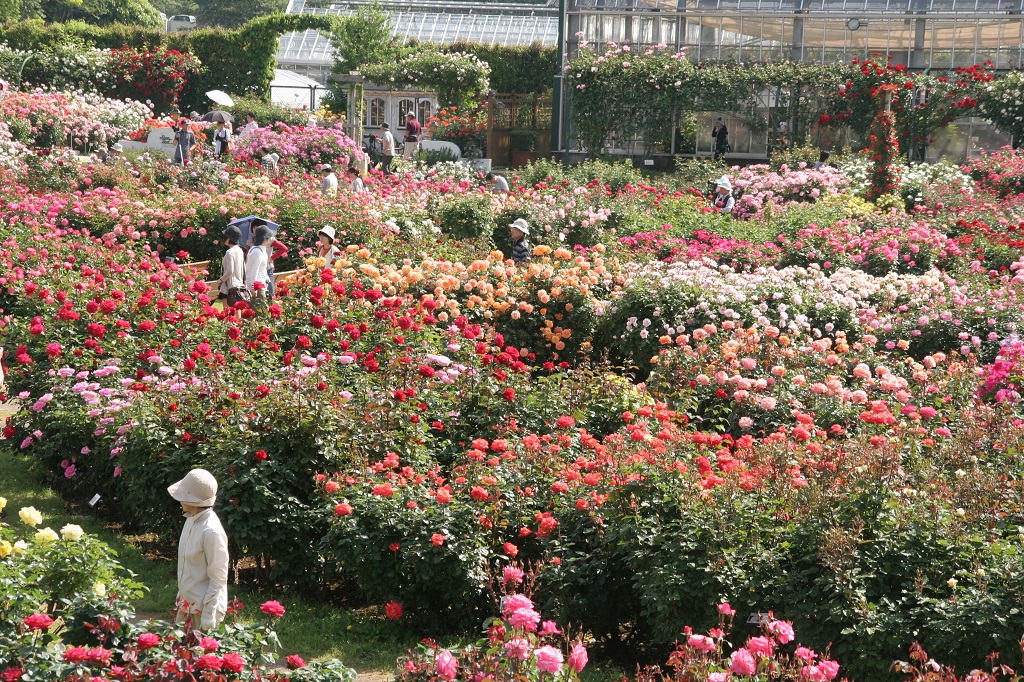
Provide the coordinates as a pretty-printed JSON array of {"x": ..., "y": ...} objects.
[
  {"x": 966, "y": 7},
  {"x": 429, "y": 21}
]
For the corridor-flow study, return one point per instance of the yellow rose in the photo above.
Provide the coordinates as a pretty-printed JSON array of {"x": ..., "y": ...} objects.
[
  {"x": 5, "y": 549},
  {"x": 31, "y": 516},
  {"x": 72, "y": 532},
  {"x": 3, "y": 503},
  {"x": 46, "y": 536},
  {"x": 99, "y": 589}
]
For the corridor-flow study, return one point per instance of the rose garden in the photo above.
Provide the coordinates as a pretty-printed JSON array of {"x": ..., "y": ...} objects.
[{"x": 782, "y": 444}]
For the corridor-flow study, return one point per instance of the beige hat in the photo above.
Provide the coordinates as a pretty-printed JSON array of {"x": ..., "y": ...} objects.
[
  {"x": 198, "y": 488},
  {"x": 521, "y": 225},
  {"x": 327, "y": 231}
]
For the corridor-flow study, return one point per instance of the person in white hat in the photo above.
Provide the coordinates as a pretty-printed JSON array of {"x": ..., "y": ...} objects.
[
  {"x": 328, "y": 251},
  {"x": 202, "y": 553},
  {"x": 328, "y": 181},
  {"x": 520, "y": 230},
  {"x": 723, "y": 200}
]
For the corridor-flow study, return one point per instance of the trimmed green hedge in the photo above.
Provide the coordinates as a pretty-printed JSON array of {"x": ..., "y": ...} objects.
[{"x": 518, "y": 69}]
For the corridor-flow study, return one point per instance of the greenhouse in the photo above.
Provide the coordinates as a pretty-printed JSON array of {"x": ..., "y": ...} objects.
[
  {"x": 923, "y": 35},
  {"x": 429, "y": 21}
]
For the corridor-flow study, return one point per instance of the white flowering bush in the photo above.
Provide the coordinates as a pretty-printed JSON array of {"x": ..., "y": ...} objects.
[
  {"x": 70, "y": 67},
  {"x": 456, "y": 77},
  {"x": 452, "y": 171},
  {"x": 1002, "y": 102},
  {"x": 915, "y": 179}
]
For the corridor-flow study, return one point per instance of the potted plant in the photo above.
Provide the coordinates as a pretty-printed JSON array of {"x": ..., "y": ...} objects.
[{"x": 523, "y": 144}]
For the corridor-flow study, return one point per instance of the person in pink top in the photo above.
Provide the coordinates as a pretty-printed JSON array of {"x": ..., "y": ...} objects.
[{"x": 413, "y": 133}]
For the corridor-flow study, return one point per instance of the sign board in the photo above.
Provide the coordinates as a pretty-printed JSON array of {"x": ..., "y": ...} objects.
[{"x": 159, "y": 138}]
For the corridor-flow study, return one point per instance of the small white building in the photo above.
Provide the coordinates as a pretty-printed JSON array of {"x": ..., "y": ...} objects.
[{"x": 386, "y": 105}]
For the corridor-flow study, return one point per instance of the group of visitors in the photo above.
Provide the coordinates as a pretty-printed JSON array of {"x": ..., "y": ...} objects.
[
  {"x": 223, "y": 136},
  {"x": 249, "y": 276},
  {"x": 329, "y": 181}
]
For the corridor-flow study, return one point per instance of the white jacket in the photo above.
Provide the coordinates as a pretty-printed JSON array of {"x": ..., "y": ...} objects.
[
  {"x": 203, "y": 568},
  {"x": 256, "y": 269},
  {"x": 233, "y": 267}
]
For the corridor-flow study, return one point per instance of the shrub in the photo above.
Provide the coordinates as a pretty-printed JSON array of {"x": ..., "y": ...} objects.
[{"x": 463, "y": 217}]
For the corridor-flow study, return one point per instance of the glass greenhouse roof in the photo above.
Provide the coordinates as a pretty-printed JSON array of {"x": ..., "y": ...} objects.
[
  {"x": 428, "y": 21},
  {"x": 811, "y": 6}
]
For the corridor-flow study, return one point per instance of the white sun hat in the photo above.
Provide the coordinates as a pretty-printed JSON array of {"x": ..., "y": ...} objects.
[
  {"x": 521, "y": 225},
  {"x": 327, "y": 231},
  {"x": 724, "y": 182},
  {"x": 198, "y": 488}
]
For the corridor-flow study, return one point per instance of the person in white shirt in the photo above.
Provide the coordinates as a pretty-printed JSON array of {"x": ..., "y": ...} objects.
[
  {"x": 233, "y": 266},
  {"x": 355, "y": 180},
  {"x": 326, "y": 248},
  {"x": 250, "y": 123},
  {"x": 329, "y": 181},
  {"x": 256, "y": 278},
  {"x": 202, "y": 598},
  {"x": 388, "y": 142}
]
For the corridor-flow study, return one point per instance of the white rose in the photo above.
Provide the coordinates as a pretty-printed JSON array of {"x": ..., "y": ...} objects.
[{"x": 72, "y": 532}]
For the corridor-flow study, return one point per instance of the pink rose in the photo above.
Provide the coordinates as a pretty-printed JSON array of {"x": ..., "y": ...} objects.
[
  {"x": 272, "y": 608},
  {"x": 148, "y": 640},
  {"x": 718, "y": 677},
  {"x": 517, "y": 648},
  {"x": 38, "y": 621},
  {"x": 447, "y": 665},
  {"x": 233, "y": 663},
  {"x": 762, "y": 646},
  {"x": 524, "y": 619},
  {"x": 514, "y": 602},
  {"x": 578, "y": 658},
  {"x": 701, "y": 643},
  {"x": 830, "y": 668},
  {"x": 549, "y": 659},
  {"x": 726, "y": 610},
  {"x": 782, "y": 630},
  {"x": 743, "y": 663}
]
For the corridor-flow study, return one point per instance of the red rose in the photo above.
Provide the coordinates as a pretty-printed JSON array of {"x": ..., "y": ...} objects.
[
  {"x": 295, "y": 662},
  {"x": 148, "y": 640},
  {"x": 233, "y": 663},
  {"x": 343, "y": 509},
  {"x": 437, "y": 539},
  {"x": 38, "y": 621},
  {"x": 392, "y": 610},
  {"x": 509, "y": 394},
  {"x": 272, "y": 608}
]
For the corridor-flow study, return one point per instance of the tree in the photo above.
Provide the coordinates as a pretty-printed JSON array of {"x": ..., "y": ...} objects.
[
  {"x": 101, "y": 12},
  {"x": 366, "y": 37},
  {"x": 234, "y": 13}
]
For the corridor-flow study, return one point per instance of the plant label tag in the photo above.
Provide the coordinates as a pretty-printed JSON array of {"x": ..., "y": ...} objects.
[
  {"x": 95, "y": 500},
  {"x": 648, "y": 162}
]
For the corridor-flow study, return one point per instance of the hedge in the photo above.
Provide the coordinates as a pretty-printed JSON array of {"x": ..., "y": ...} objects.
[{"x": 520, "y": 69}]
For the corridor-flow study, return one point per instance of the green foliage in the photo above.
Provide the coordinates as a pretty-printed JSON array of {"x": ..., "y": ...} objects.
[
  {"x": 234, "y": 13},
  {"x": 465, "y": 217},
  {"x": 523, "y": 140},
  {"x": 364, "y": 38},
  {"x": 432, "y": 157},
  {"x": 102, "y": 12},
  {"x": 266, "y": 112},
  {"x": 519, "y": 69}
]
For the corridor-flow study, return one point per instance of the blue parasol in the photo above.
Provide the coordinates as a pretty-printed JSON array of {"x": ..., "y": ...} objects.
[{"x": 245, "y": 226}]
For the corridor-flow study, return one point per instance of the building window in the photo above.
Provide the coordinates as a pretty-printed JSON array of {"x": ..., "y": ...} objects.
[
  {"x": 405, "y": 107},
  {"x": 424, "y": 112},
  {"x": 375, "y": 112}
]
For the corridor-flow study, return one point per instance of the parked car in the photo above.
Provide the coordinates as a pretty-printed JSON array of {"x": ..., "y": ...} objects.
[{"x": 180, "y": 22}]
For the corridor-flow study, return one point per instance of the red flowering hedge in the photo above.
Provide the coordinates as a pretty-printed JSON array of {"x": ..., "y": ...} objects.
[{"x": 157, "y": 75}]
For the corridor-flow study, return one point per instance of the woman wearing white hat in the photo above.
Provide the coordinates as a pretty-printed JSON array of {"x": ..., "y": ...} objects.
[
  {"x": 328, "y": 251},
  {"x": 724, "y": 200},
  {"x": 202, "y": 553},
  {"x": 520, "y": 230}
]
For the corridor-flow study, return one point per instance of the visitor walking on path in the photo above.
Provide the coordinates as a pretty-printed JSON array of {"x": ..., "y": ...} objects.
[
  {"x": 723, "y": 201},
  {"x": 327, "y": 250},
  {"x": 233, "y": 265},
  {"x": 221, "y": 140},
  {"x": 251, "y": 124},
  {"x": 413, "y": 133},
  {"x": 720, "y": 134},
  {"x": 202, "y": 598},
  {"x": 184, "y": 142},
  {"x": 328, "y": 182},
  {"x": 388, "y": 142},
  {"x": 256, "y": 263},
  {"x": 520, "y": 230}
]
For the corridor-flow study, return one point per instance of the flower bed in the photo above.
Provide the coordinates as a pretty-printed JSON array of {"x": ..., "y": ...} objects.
[{"x": 811, "y": 411}]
